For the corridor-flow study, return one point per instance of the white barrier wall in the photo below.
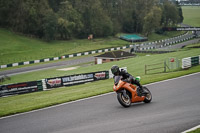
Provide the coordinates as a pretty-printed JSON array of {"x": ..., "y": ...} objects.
[
  {"x": 186, "y": 63},
  {"x": 190, "y": 61}
]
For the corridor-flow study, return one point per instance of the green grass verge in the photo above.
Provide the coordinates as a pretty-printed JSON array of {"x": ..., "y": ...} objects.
[
  {"x": 22, "y": 103},
  {"x": 197, "y": 45},
  {"x": 191, "y": 15},
  {"x": 165, "y": 35}
]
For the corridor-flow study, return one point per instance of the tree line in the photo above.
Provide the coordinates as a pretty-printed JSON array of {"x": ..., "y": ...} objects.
[{"x": 66, "y": 19}]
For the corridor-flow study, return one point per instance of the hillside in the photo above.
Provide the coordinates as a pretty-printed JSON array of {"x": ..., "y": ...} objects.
[
  {"x": 18, "y": 48},
  {"x": 191, "y": 15}
]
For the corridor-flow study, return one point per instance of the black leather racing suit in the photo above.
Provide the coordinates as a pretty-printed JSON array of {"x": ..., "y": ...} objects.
[{"x": 126, "y": 76}]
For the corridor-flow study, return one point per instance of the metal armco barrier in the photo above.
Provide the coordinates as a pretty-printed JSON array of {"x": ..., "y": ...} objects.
[
  {"x": 190, "y": 61},
  {"x": 20, "y": 88}
]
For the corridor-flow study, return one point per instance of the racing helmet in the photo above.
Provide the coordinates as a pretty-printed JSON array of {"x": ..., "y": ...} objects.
[{"x": 115, "y": 69}]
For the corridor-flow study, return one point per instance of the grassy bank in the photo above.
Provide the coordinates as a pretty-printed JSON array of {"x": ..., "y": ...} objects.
[
  {"x": 191, "y": 15},
  {"x": 27, "y": 102},
  {"x": 17, "y": 48}
]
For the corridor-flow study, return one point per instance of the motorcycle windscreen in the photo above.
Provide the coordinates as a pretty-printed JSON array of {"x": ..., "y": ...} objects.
[{"x": 117, "y": 79}]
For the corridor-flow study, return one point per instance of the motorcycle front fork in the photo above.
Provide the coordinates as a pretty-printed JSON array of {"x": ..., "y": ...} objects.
[
  {"x": 139, "y": 91},
  {"x": 124, "y": 93}
]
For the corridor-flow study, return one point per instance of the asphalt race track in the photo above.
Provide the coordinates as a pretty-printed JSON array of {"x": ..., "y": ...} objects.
[
  {"x": 47, "y": 66},
  {"x": 180, "y": 45},
  {"x": 175, "y": 108}
]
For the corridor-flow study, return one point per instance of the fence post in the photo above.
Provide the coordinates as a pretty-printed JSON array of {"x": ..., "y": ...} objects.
[
  {"x": 165, "y": 65},
  {"x": 39, "y": 85}
]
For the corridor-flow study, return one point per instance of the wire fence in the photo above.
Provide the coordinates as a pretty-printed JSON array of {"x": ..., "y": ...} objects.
[{"x": 170, "y": 64}]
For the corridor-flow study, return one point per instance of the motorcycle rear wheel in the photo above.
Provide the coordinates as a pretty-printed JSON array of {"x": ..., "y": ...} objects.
[
  {"x": 148, "y": 96},
  {"x": 125, "y": 102}
]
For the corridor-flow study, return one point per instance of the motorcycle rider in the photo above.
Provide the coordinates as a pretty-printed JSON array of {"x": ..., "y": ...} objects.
[{"x": 126, "y": 76}]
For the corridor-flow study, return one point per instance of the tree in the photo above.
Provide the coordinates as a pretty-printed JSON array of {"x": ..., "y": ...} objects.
[
  {"x": 64, "y": 19},
  {"x": 181, "y": 18},
  {"x": 50, "y": 25},
  {"x": 94, "y": 18},
  {"x": 152, "y": 20},
  {"x": 24, "y": 16},
  {"x": 180, "y": 13},
  {"x": 114, "y": 10},
  {"x": 55, "y": 4},
  {"x": 170, "y": 14},
  {"x": 73, "y": 24}
]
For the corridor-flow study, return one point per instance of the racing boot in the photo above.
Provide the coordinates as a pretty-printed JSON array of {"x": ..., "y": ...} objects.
[{"x": 142, "y": 91}]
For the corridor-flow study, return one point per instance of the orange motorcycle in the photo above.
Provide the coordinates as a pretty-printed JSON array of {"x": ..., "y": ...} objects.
[{"x": 128, "y": 93}]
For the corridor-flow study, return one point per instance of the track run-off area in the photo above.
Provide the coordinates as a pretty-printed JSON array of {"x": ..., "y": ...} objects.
[{"x": 175, "y": 107}]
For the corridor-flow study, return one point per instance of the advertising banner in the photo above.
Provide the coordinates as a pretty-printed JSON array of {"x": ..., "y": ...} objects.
[
  {"x": 101, "y": 75},
  {"x": 181, "y": 28},
  {"x": 53, "y": 83},
  {"x": 77, "y": 79},
  {"x": 33, "y": 86},
  {"x": 83, "y": 78},
  {"x": 19, "y": 88}
]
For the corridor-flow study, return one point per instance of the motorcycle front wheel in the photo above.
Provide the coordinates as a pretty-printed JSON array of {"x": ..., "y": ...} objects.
[
  {"x": 124, "y": 101},
  {"x": 148, "y": 96}
]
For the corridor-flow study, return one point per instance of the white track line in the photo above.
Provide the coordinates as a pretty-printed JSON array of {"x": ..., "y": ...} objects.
[
  {"x": 192, "y": 129},
  {"x": 91, "y": 97}
]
